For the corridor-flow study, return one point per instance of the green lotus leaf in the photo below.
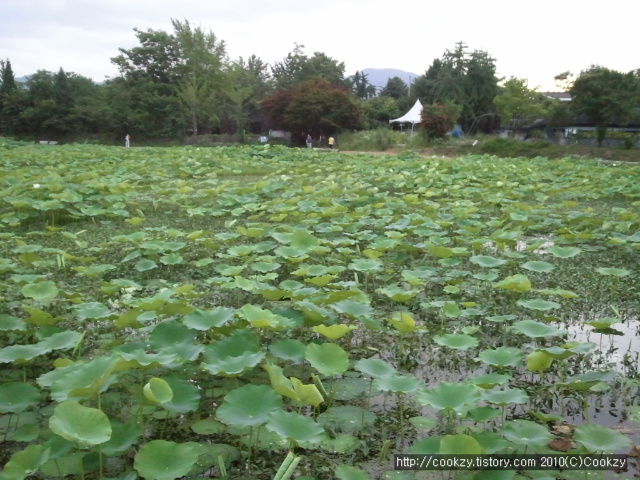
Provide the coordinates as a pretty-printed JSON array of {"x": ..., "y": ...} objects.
[
  {"x": 538, "y": 304},
  {"x": 25, "y": 462},
  {"x": 486, "y": 261},
  {"x": 398, "y": 383},
  {"x": 491, "y": 442},
  {"x": 349, "y": 388},
  {"x": 501, "y": 318},
  {"x": 41, "y": 292},
  {"x": 374, "y": 367},
  {"x": 403, "y": 322},
  {"x": 538, "y": 266},
  {"x": 456, "y": 341},
  {"x": 563, "y": 252},
  {"x": 526, "y": 433},
  {"x": 205, "y": 319},
  {"x": 288, "y": 349},
  {"x": 294, "y": 427},
  {"x": 91, "y": 311},
  {"x": 397, "y": 294},
  {"x": 353, "y": 308},
  {"x": 327, "y": 358},
  {"x": 460, "y": 444},
  {"x": 423, "y": 423},
  {"x": 232, "y": 366},
  {"x": 207, "y": 426},
  {"x": 367, "y": 265},
  {"x": 163, "y": 460},
  {"x": 10, "y": 323},
  {"x": 280, "y": 383},
  {"x": 61, "y": 340},
  {"x": 506, "y": 397},
  {"x": 248, "y": 406},
  {"x": 539, "y": 361},
  {"x": 303, "y": 240},
  {"x": 123, "y": 436},
  {"x": 426, "y": 446},
  {"x": 603, "y": 323},
  {"x": 21, "y": 353},
  {"x": 16, "y": 397},
  {"x": 186, "y": 395},
  {"x": 171, "y": 259},
  {"x": 483, "y": 414},
  {"x": 458, "y": 397},
  {"x": 347, "y": 472},
  {"x": 598, "y": 438},
  {"x": 77, "y": 423},
  {"x": 616, "y": 272},
  {"x": 334, "y": 332},
  {"x": 158, "y": 391},
  {"x": 145, "y": 265},
  {"x": 307, "y": 394},
  {"x": 501, "y": 356},
  {"x": 558, "y": 291},
  {"x": 586, "y": 381},
  {"x": 262, "y": 318},
  {"x": 489, "y": 380},
  {"x": 27, "y": 432},
  {"x": 515, "y": 283},
  {"x": 533, "y": 329}
]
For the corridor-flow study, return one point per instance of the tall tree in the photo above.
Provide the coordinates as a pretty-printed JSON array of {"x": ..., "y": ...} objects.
[
  {"x": 361, "y": 87},
  {"x": 315, "y": 106},
  {"x": 8, "y": 91},
  {"x": 286, "y": 73},
  {"x": 517, "y": 104},
  {"x": 605, "y": 97},
  {"x": 395, "y": 88},
  {"x": 467, "y": 79},
  {"x": 296, "y": 68}
]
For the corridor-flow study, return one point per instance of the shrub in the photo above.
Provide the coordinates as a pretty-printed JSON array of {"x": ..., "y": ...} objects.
[{"x": 438, "y": 119}]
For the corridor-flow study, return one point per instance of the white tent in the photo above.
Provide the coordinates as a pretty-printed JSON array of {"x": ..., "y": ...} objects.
[{"x": 413, "y": 116}]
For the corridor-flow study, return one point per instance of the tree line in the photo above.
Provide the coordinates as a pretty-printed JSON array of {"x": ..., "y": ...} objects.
[{"x": 183, "y": 83}]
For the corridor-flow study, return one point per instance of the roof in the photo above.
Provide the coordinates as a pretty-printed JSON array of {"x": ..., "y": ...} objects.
[
  {"x": 562, "y": 96},
  {"x": 413, "y": 116}
]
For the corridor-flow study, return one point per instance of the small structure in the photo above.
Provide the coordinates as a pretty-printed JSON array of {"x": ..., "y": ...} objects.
[{"x": 413, "y": 116}]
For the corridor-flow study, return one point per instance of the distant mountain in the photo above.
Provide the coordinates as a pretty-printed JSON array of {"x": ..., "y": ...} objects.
[{"x": 379, "y": 76}]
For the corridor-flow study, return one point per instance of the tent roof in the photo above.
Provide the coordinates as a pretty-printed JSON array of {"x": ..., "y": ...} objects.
[{"x": 412, "y": 116}]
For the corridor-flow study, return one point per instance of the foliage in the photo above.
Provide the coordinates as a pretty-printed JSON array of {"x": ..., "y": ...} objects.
[
  {"x": 377, "y": 112},
  {"x": 518, "y": 104},
  {"x": 395, "y": 88},
  {"x": 169, "y": 312},
  {"x": 467, "y": 79},
  {"x": 439, "y": 119},
  {"x": 314, "y": 106},
  {"x": 296, "y": 68},
  {"x": 605, "y": 97}
]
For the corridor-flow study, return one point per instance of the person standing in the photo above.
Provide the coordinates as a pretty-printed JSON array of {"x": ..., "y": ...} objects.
[
  {"x": 331, "y": 142},
  {"x": 127, "y": 140},
  {"x": 309, "y": 141}
]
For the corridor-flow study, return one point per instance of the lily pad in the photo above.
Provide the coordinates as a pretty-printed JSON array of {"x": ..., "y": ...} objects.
[
  {"x": 164, "y": 460},
  {"x": 77, "y": 423},
  {"x": 295, "y": 427},
  {"x": 328, "y": 358},
  {"x": 248, "y": 406}
]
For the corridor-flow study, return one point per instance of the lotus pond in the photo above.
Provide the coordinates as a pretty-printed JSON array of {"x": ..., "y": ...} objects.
[{"x": 186, "y": 312}]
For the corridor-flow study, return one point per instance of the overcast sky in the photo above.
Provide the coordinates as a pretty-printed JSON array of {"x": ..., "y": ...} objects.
[{"x": 535, "y": 40}]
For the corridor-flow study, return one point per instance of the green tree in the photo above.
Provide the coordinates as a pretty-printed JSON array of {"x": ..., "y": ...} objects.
[
  {"x": 360, "y": 86},
  {"x": 605, "y": 97},
  {"x": 315, "y": 106},
  {"x": 517, "y": 104},
  {"x": 286, "y": 73},
  {"x": 296, "y": 68},
  {"x": 8, "y": 91},
  {"x": 439, "y": 119},
  {"x": 377, "y": 112},
  {"x": 467, "y": 79},
  {"x": 395, "y": 88}
]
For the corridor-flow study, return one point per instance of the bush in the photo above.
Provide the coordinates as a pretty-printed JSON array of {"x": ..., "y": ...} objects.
[
  {"x": 438, "y": 119},
  {"x": 378, "y": 140}
]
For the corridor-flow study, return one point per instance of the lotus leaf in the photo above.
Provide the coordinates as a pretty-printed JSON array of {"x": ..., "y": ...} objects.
[
  {"x": 460, "y": 444},
  {"x": 77, "y": 423},
  {"x": 516, "y": 283},
  {"x": 43, "y": 292},
  {"x": 327, "y": 358},
  {"x": 501, "y": 356},
  {"x": 539, "y": 361},
  {"x": 334, "y": 332},
  {"x": 489, "y": 380},
  {"x": 374, "y": 367},
  {"x": 123, "y": 435},
  {"x": 347, "y": 472},
  {"x": 526, "y": 433},
  {"x": 598, "y": 438},
  {"x": 403, "y": 322},
  {"x": 16, "y": 397},
  {"x": 505, "y": 397},
  {"x": 163, "y": 460},
  {"x": 486, "y": 261},
  {"x": 456, "y": 341},
  {"x": 288, "y": 349},
  {"x": 158, "y": 391},
  {"x": 457, "y": 397},
  {"x": 616, "y": 272},
  {"x": 248, "y": 406},
  {"x": 534, "y": 329},
  {"x": 563, "y": 252},
  {"x": 206, "y": 319},
  {"x": 538, "y": 304},
  {"x": 294, "y": 427},
  {"x": 538, "y": 266},
  {"x": 25, "y": 462}
]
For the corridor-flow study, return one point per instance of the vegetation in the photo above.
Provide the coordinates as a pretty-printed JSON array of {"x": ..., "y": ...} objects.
[{"x": 251, "y": 312}]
